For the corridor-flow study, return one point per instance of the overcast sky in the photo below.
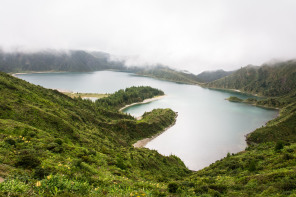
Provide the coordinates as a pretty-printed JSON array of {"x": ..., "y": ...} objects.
[{"x": 195, "y": 35}]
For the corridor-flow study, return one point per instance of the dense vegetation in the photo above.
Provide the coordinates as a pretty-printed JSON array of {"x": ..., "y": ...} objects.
[
  {"x": 51, "y": 144},
  {"x": 234, "y": 99},
  {"x": 130, "y": 95},
  {"x": 208, "y": 76},
  {"x": 267, "y": 80}
]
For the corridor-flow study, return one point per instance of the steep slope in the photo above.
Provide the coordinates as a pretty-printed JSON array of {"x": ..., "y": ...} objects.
[
  {"x": 208, "y": 76},
  {"x": 51, "y": 144},
  {"x": 267, "y": 80}
]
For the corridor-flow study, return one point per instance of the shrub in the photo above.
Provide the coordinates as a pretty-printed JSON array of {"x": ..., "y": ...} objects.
[
  {"x": 287, "y": 156},
  {"x": 28, "y": 160},
  {"x": 13, "y": 187},
  {"x": 173, "y": 187},
  {"x": 55, "y": 147},
  {"x": 120, "y": 164},
  {"x": 279, "y": 146},
  {"x": 58, "y": 141},
  {"x": 40, "y": 173},
  {"x": 10, "y": 141},
  {"x": 252, "y": 166},
  {"x": 287, "y": 184}
]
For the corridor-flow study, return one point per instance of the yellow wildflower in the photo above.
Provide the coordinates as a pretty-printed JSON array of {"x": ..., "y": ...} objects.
[
  {"x": 48, "y": 177},
  {"x": 38, "y": 184}
]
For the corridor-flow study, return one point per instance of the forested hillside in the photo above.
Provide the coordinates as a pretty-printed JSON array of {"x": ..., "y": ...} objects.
[
  {"x": 51, "y": 144},
  {"x": 267, "y": 80},
  {"x": 208, "y": 76},
  {"x": 71, "y": 61},
  {"x": 86, "y": 61},
  {"x": 165, "y": 73}
]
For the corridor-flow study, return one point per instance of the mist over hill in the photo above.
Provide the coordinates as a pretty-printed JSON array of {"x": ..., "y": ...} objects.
[
  {"x": 72, "y": 61},
  {"x": 208, "y": 76},
  {"x": 268, "y": 80}
]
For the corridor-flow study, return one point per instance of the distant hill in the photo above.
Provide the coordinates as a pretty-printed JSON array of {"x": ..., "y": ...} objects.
[
  {"x": 208, "y": 76},
  {"x": 72, "y": 61},
  {"x": 165, "y": 73},
  {"x": 84, "y": 61},
  {"x": 267, "y": 80}
]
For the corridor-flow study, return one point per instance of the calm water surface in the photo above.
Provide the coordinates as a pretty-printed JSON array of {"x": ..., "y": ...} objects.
[{"x": 207, "y": 128}]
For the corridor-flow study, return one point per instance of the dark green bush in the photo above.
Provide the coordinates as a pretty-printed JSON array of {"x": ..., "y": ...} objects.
[
  {"x": 201, "y": 189},
  {"x": 58, "y": 141},
  {"x": 287, "y": 184},
  {"x": 173, "y": 187},
  {"x": 40, "y": 172},
  {"x": 10, "y": 141},
  {"x": 28, "y": 161},
  {"x": 287, "y": 156},
  {"x": 55, "y": 147},
  {"x": 279, "y": 146},
  {"x": 252, "y": 166}
]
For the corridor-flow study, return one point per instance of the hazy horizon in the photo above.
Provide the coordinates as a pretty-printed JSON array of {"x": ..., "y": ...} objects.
[{"x": 185, "y": 35}]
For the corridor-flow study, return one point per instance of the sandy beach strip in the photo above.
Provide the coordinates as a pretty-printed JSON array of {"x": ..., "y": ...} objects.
[
  {"x": 142, "y": 143},
  {"x": 33, "y": 72},
  {"x": 143, "y": 102}
]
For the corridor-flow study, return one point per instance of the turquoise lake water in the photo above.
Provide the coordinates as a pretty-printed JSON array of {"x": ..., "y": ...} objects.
[{"x": 207, "y": 127}]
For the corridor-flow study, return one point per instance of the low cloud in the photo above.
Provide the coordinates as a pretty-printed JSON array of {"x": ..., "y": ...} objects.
[{"x": 192, "y": 35}]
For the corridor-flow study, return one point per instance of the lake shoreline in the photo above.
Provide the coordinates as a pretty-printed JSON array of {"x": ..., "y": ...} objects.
[
  {"x": 145, "y": 141},
  {"x": 35, "y": 72},
  {"x": 142, "y": 143},
  {"x": 143, "y": 102}
]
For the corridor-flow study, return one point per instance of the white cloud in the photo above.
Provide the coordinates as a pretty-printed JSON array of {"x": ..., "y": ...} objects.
[{"x": 187, "y": 34}]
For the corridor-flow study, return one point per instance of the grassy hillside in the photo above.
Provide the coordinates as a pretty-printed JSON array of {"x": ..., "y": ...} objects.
[
  {"x": 51, "y": 144},
  {"x": 267, "y": 80}
]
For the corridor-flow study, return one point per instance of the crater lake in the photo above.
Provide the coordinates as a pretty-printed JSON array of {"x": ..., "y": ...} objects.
[{"x": 207, "y": 127}]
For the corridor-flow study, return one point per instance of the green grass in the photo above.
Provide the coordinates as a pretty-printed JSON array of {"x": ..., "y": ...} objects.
[{"x": 74, "y": 147}]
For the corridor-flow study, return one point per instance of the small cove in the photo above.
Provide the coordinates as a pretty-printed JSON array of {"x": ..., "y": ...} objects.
[{"x": 207, "y": 127}]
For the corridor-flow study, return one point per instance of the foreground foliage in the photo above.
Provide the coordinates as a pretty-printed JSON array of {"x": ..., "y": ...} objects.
[{"x": 51, "y": 144}]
